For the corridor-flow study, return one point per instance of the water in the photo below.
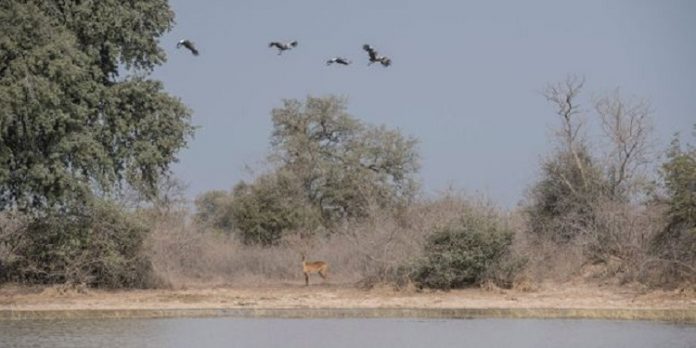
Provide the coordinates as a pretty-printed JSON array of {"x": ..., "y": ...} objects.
[{"x": 229, "y": 332}]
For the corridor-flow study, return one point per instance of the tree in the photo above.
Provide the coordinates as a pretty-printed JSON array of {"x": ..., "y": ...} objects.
[
  {"x": 626, "y": 124},
  {"x": 274, "y": 204},
  {"x": 574, "y": 181},
  {"x": 563, "y": 96},
  {"x": 676, "y": 244},
  {"x": 213, "y": 209},
  {"x": 69, "y": 124},
  {"x": 344, "y": 166},
  {"x": 561, "y": 203},
  {"x": 327, "y": 167}
]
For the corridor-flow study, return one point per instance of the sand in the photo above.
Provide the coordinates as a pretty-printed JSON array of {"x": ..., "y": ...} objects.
[
  {"x": 289, "y": 295},
  {"x": 558, "y": 300}
]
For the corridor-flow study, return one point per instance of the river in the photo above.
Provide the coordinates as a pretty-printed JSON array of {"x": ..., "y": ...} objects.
[{"x": 231, "y": 332}]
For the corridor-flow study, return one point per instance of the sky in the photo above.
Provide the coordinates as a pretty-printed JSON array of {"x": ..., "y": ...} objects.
[{"x": 466, "y": 80}]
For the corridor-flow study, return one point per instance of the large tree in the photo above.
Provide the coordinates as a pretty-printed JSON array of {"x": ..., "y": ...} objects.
[
  {"x": 327, "y": 167},
  {"x": 345, "y": 166},
  {"x": 78, "y": 112}
]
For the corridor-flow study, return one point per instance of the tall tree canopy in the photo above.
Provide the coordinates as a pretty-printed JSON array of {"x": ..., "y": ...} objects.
[
  {"x": 70, "y": 122},
  {"x": 328, "y": 167},
  {"x": 343, "y": 165}
]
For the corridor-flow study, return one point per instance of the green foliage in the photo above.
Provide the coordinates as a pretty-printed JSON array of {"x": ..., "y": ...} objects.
[
  {"x": 561, "y": 203},
  {"x": 344, "y": 166},
  {"x": 329, "y": 167},
  {"x": 68, "y": 124},
  {"x": 462, "y": 253},
  {"x": 679, "y": 174},
  {"x": 98, "y": 245},
  {"x": 677, "y": 242},
  {"x": 214, "y": 209},
  {"x": 273, "y": 204}
]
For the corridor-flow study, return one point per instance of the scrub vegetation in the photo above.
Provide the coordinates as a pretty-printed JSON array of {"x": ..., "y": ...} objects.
[{"x": 87, "y": 198}]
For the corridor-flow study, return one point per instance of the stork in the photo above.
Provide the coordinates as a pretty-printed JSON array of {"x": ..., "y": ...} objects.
[
  {"x": 283, "y": 46},
  {"x": 338, "y": 60},
  {"x": 375, "y": 57},
  {"x": 188, "y": 44}
]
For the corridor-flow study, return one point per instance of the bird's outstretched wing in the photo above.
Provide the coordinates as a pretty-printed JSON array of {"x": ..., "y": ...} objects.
[
  {"x": 371, "y": 51},
  {"x": 189, "y": 45},
  {"x": 338, "y": 60},
  {"x": 276, "y": 44}
]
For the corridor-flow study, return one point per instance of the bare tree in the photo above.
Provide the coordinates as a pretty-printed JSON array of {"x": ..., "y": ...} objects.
[
  {"x": 626, "y": 124},
  {"x": 564, "y": 96}
]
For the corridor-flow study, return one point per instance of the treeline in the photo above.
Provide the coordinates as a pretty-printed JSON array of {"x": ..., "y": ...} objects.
[
  {"x": 347, "y": 192},
  {"x": 605, "y": 211},
  {"x": 86, "y": 196}
]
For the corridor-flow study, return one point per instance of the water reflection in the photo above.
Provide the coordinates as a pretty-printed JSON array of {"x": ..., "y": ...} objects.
[{"x": 229, "y": 332}]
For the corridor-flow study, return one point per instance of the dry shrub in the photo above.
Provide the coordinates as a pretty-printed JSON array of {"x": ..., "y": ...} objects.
[
  {"x": 98, "y": 245},
  {"x": 11, "y": 225},
  {"x": 183, "y": 255},
  {"x": 547, "y": 259},
  {"x": 615, "y": 245},
  {"x": 375, "y": 250},
  {"x": 620, "y": 238}
]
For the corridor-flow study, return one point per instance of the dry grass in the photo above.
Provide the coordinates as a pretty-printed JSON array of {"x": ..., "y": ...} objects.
[
  {"x": 368, "y": 252},
  {"x": 614, "y": 250}
]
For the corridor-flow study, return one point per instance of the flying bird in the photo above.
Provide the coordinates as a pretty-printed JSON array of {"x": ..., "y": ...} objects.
[
  {"x": 188, "y": 44},
  {"x": 283, "y": 46},
  {"x": 338, "y": 60},
  {"x": 375, "y": 57}
]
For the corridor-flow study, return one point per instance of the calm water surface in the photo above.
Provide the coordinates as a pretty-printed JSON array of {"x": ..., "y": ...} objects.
[{"x": 229, "y": 332}]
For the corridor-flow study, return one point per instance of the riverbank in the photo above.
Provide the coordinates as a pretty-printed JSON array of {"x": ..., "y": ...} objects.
[{"x": 291, "y": 300}]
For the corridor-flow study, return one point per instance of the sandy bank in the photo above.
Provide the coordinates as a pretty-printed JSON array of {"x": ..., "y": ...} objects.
[{"x": 323, "y": 301}]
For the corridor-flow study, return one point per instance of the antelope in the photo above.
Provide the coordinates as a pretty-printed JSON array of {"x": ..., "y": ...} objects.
[
  {"x": 189, "y": 45},
  {"x": 308, "y": 267}
]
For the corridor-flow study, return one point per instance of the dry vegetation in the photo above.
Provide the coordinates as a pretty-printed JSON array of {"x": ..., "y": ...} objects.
[
  {"x": 384, "y": 249},
  {"x": 359, "y": 253},
  {"x": 346, "y": 193}
]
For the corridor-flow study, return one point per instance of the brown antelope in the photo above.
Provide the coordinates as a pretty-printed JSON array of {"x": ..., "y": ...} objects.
[{"x": 308, "y": 267}]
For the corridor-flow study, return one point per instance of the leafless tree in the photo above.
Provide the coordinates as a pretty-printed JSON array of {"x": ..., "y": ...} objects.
[
  {"x": 564, "y": 96},
  {"x": 626, "y": 124}
]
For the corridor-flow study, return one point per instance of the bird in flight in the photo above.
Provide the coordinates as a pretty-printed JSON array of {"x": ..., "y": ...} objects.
[
  {"x": 188, "y": 44},
  {"x": 375, "y": 57},
  {"x": 283, "y": 46},
  {"x": 338, "y": 60}
]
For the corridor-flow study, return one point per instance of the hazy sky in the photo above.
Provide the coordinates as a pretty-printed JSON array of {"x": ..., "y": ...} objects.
[{"x": 466, "y": 77}]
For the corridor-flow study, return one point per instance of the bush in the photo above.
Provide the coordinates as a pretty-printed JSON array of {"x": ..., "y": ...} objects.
[
  {"x": 675, "y": 245},
  {"x": 461, "y": 253},
  {"x": 561, "y": 203},
  {"x": 274, "y": 204},
  {"x": 97, "y": 245},
  {"x": 214, "y": 210}
]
